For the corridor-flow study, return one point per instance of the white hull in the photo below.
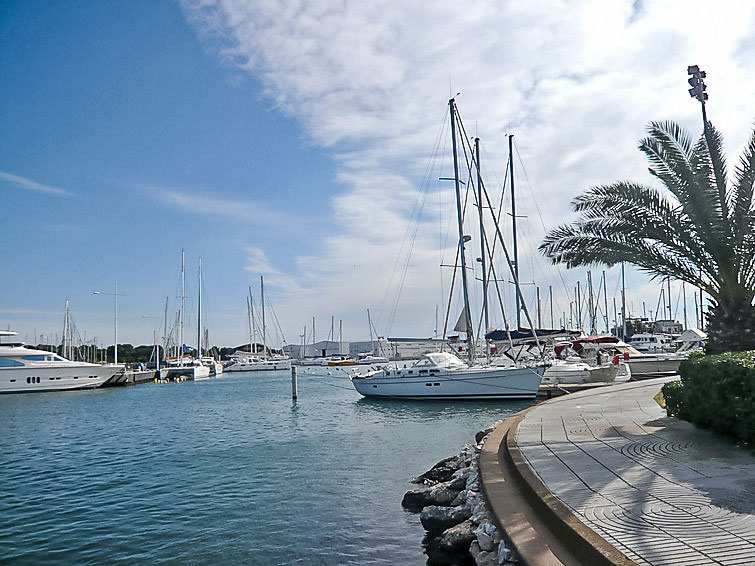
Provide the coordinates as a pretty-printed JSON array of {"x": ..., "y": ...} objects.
[
  {"x": 652, "y": 365},
  {"x": 190, "y": 373},
  {"x": 468, "y": 383},
  {"x": 260, "y": 365},
  {"x": 66, "y": 376},
  {"x": 580, "y": 372}
]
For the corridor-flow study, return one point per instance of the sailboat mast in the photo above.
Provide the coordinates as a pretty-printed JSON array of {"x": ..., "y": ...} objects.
[
  {"x": 591, "y": 304},
  {"x": 470, "y": 338},
  {"x": 264, "y": 330},
  {"x": 482, "y": 237},
  {"x": 250, "y": 314},
  {"x": 369, "y": 323},
  {"x": 165, "y": 330},
  {"x": 623, "y": 305},
  {"x": 513, "y": 227},
  {"x": 199, "y": 312},
  {"x": 181, "y": 315}
]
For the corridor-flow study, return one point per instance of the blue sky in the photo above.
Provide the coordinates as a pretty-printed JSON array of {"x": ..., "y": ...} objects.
[{"x": 292, "y": 141}]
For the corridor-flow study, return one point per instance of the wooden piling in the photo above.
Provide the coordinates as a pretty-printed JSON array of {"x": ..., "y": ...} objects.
[{"x": 294, "y": 384}]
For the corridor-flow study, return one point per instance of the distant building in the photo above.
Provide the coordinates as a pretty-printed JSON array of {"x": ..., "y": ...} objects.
[
  {"x": 667, "y": 327},
  {"x": 409, "y": 348}
]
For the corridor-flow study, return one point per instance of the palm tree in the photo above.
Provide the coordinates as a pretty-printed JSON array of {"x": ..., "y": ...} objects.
[{"x": 698, "y": 230}]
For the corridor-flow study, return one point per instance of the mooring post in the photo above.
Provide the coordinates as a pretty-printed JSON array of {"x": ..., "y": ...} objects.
[{"x": 294, "y": 384}]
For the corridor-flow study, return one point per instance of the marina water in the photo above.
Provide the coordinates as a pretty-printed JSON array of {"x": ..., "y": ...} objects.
[{"x": 222, "y": 471}]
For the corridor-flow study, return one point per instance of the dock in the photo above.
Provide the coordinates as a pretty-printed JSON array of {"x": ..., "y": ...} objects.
[{"x": 604, "y": 477}]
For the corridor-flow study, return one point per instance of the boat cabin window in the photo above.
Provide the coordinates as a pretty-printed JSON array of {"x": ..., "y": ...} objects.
[
  {"x": 34, "y": 358},
  {"x": 8, "y": 363}
]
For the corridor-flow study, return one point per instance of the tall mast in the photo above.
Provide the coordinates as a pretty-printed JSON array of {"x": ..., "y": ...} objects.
[
  {"x": 165, "y": 329},
  {"x": 550, "y": 297},
  {"x": 181, "y": 315},
  {"x": 605, "y": 299},
  {"x": 65, "y": 333},
  {"x": 591, "y": 304},
  {"x": 482, "y": 238},
  {"x": 252, "y": 327},
  {"x": 199, "y": 312},
  {"x": 468, "y": 321},
  {"x": 369, "y": 323},
  {"x": 513, "y": 227},
  {"x": 623, "y": 305},
  {"x": 264, "y": 330}
]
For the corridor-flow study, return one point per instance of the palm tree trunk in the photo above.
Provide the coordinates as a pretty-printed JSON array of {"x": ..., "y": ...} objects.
[{"x": 731, "y": 327}]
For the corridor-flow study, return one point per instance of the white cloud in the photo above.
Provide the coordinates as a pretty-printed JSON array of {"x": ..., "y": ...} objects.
[
  {"x": 29, "y": 185},
  {"x": 575, "y": 83},
  {"x": 211, "y": 203}
]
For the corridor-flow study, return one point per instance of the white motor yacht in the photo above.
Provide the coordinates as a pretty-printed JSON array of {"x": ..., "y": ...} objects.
[
  {"x": 25, "y": 370},
  {"x": 442, "y": 375}
]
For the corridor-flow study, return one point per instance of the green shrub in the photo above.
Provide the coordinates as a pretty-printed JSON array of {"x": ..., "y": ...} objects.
[{"x": 716, "y": 392}]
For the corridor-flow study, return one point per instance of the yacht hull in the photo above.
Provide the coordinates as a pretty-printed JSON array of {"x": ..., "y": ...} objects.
[
  {"x": 261, "y": 365},
  {"x": 648, "y": 366},
  {"x": 32, "y": 379},
  {"x": 485, "y": 383},
  {"x": 565, "y": 372}
]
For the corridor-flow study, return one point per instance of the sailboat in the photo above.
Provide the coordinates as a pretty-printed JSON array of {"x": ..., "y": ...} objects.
[
  {"x": 251, "y": 360},
  {"x": 182, "y": 367},
  {"x": 444, "y": 375}
]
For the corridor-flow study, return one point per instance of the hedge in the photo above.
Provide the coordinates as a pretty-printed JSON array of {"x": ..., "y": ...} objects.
[{"x": 716, "y": 392}]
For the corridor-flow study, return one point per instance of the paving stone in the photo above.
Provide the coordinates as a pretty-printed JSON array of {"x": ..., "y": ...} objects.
[{"x": 659, "y": 489}]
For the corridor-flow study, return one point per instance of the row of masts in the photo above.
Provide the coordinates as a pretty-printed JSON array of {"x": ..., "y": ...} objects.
[{"x": 483, "y": 202}]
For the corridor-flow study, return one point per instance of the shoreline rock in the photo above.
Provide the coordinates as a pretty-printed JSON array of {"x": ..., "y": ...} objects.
[{"x": 452, "y": 509}]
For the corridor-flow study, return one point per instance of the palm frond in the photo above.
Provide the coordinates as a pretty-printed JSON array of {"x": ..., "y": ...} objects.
[
  {"x": 716, "y": 154},
  {"x": 742, "y": 210}
]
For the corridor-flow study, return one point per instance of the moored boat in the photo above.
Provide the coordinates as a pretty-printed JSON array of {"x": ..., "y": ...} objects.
[
  {"x": 25, "y": 370},
  {"x": 442, "y": 375}
]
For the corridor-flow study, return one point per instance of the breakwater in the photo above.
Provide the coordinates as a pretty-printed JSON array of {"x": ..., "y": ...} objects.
[{"x": 459, "y": 527}]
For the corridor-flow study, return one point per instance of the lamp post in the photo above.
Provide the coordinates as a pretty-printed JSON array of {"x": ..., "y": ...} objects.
[
  {"x": 698, "y": 88},
  {"x": 698, "y": 91},
  {"x": 115, "y": 295}
]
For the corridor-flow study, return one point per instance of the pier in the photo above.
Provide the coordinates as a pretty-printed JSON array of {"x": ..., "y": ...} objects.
[{"x": 603, "y": 476}]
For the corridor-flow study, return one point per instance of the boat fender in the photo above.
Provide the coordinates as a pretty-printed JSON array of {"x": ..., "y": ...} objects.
[
  {"x": 616, "y": 360},
  {"x": 626, "y": 356}
]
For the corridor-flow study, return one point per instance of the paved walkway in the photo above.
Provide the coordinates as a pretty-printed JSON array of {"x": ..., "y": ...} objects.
[{"x": 656, "y": 488}]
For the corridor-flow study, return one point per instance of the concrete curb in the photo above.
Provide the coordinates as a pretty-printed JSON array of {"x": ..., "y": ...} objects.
[{"x": 542, "y": 530}]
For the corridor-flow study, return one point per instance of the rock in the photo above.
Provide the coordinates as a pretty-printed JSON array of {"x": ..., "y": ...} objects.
[
  {"x": 457, "y": 538},
  {"x": 461, "y": 499},
  {"x": 442, "y": 496},
  {"x": 504, "y": 554},
  {"x": 482, "y": 557},
  {"x": 437, "y": 519},
  {"x": 473, "y": 481},
  {"x": 482, "y": 434},
  {"x": 440, "y": 472},
  {"x": 484, "y": 534},
  {"x": 415, "y": 500},
  {"x": 457, "y": 484}
]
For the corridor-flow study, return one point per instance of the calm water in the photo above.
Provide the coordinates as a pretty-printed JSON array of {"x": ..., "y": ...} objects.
[{"x": 223, "y": 471}]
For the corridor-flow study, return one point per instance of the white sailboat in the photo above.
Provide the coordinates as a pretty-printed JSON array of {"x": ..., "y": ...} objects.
[
  {"x": 444, "y": 375},
  {"x": 183, "y": 367},
  {"x": 252, "y": 361}
]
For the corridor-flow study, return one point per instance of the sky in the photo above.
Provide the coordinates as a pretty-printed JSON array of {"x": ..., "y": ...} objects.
[{"x": 305, "y": 142}]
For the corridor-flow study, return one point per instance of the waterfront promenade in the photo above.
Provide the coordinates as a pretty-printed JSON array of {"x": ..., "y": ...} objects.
[{"x": 605, "y": 477}]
